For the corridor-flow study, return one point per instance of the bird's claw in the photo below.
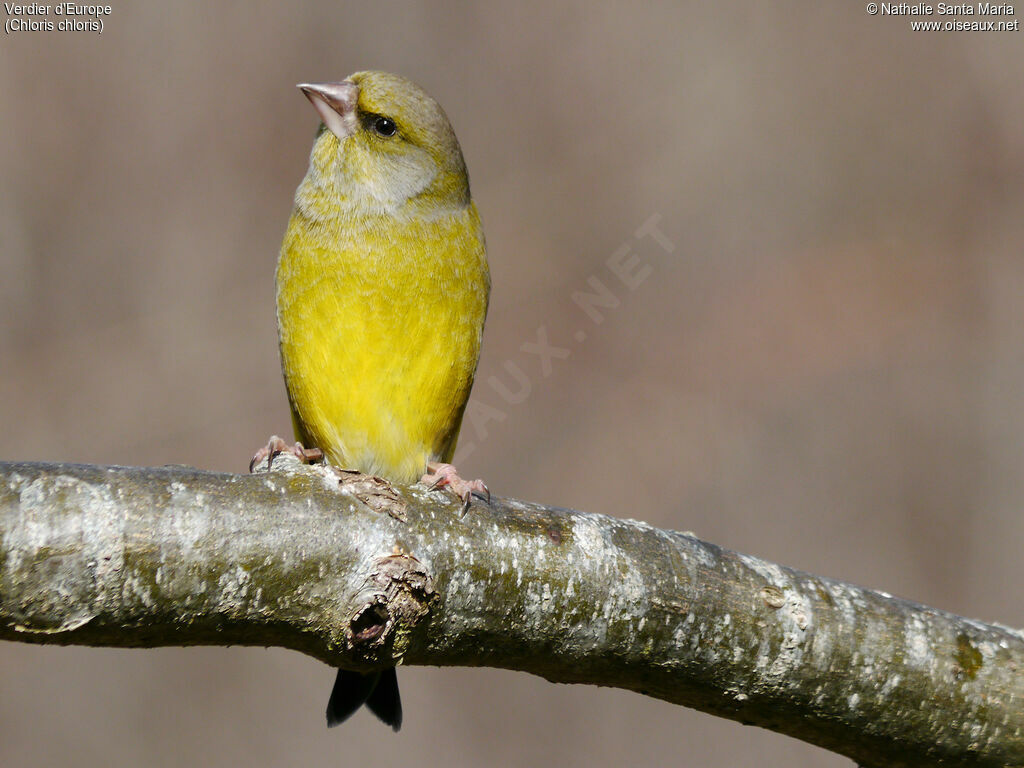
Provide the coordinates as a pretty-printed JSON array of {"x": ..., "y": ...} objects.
[
  {"x": 276, "y": 446},
  {"x": 444, "y": 476}
]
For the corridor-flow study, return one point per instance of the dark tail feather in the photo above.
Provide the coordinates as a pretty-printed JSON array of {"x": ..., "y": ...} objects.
[
  {"x": 350, "y": 692},
  {"x": 377, "y": 690},
  {"x": 385, "y": 701}
]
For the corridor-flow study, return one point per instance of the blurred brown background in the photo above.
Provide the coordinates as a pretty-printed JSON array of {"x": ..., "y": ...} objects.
[{"x": 827, "y": 370}]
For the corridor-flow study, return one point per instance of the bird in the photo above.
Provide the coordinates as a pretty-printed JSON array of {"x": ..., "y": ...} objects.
[{"x": 382, "y": 292}]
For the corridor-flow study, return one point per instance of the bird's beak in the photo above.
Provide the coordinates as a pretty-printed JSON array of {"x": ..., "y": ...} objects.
[{"x": 336, "y": 104}]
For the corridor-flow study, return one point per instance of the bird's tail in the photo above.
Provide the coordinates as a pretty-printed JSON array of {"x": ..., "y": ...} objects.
[{"x": 377, "y": 690}]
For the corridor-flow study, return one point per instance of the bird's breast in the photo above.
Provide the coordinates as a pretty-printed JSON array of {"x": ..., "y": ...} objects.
[{"x": 380, "y": 325}]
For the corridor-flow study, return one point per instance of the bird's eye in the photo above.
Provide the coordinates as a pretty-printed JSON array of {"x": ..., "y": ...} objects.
[{"x": 384, "y": 126}]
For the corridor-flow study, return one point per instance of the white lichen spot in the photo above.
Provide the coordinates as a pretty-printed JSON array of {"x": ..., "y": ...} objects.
[
  {"x": 590, "y": 537},
  {"x": 890, "y": 685},
  {"x": 916, "y": 641},
  {"x": 794, "y": 617},
  {"x": 800, "y": 615},
  {"x": 234, "y": 584},
  {"x": 701, "y": 553},
  {"x": 679, "y": 636},
  {"x": 854, "y": 700}
]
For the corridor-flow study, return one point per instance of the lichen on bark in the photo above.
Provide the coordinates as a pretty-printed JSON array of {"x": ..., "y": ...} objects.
[{"x": 362, "y": 575}]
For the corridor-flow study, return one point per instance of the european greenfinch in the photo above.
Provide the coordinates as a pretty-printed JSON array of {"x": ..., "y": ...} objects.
[{"x": 382, "y": 291}]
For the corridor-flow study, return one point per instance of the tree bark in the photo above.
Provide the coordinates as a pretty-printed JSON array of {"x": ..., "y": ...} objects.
[{"x": 358, "y": 574}]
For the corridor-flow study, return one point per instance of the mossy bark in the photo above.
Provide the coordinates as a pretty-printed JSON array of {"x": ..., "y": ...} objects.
[{"x": 348, "y": 570}]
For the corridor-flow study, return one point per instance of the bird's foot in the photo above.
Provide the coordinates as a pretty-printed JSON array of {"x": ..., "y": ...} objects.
[
  {"x": 276, "y": 446},
  {"x": 444, "y": 476}
]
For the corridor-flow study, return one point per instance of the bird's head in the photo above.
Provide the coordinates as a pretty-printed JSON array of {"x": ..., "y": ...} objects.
[{"x": 385, "y": 146}]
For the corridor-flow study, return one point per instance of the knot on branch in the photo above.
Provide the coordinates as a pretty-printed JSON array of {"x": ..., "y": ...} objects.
[
  {"x": 375, "y": 492},
  {"x": 394, "y": 599}
]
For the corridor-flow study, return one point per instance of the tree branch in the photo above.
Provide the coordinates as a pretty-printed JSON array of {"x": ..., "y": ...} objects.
[{"x": 343, "y": 568}]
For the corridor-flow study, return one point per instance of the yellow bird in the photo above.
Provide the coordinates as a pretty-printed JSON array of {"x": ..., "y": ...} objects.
[{"x": 382, "y": 291}]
